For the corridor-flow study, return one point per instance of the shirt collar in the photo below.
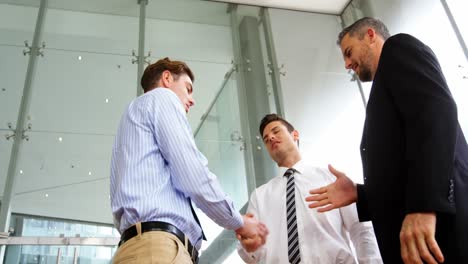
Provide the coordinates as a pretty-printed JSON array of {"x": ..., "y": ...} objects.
[{"x": 299, "y": 167}]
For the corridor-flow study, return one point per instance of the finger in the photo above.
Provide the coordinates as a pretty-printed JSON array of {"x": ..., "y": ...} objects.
[
  {"x": 262, "y": 239},
  {"x": 313, "y": 205},
  {"x": 404, "y": 252},
  {"x": 265, "y": 229},
  {"x": 319, "y": 190},
  {"x": 262, "y": 230},
  {"x": 413, "y": 253},
  {"x": 435, "y": 249},
  {"x": 326, "y": 208},
  {"x": 319, "y": 197},
  {"x": 319, "y": 204},
  {"x": 424, "y": 251},
  {"x": 335, "y": 172}
]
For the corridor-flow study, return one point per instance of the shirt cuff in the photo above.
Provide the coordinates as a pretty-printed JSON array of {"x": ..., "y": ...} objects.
[{"x": 235, "y": 222}]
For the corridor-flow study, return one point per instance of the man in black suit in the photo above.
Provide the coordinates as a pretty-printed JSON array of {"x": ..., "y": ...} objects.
[{"x": 414, "y": 153}]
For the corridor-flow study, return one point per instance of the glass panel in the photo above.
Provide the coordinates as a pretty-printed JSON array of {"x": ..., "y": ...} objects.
[
  {"x": 81, "y": 86},
  {"x": 458, "y": 9},
  {"x": 460, "y": 71},
  {"x": 49, "y": 227},
  {"x": 220, "y": 140},
  {"x": 16, "y": 26},
  {"x": 49, "y": 254},
  {"x": 89, "y": 32},
  {"x": 200, "y": 12},
  {"x": 63, "y": 171},
  {"x": 201, "y": 38}
]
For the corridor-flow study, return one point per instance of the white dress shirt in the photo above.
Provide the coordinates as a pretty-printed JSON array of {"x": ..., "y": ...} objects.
[{"x": 323, "y": 237}]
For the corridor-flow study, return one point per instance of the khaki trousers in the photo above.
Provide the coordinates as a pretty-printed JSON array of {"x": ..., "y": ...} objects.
[{"x": 154, "y": 247}]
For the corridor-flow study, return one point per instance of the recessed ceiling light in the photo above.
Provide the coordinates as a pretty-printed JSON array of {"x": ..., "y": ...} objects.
[
  {"x": 21, "y": 171},
  {"x": 79, "y": 58},
  {"x": 60, "y": 139},
  {"x": 46, "y": 195},
  {"x": 107, "y": 100},
  {"x": 89, "y": 173}
]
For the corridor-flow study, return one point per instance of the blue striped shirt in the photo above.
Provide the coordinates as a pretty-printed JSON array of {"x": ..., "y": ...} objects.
[{"x": 156, "y": 167}]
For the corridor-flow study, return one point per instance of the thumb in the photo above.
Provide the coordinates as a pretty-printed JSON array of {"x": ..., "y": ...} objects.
[{"x": 335, "y": 172}]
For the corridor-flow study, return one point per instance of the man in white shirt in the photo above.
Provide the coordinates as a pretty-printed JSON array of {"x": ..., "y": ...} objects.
[{"x": 298, "y": 234}]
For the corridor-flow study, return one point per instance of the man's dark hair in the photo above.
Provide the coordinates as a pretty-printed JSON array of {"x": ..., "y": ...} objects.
[
  {"x": 271, "y": 118},
  {"x": 359, "y": 27},
  {"x": 153, "y": 72}
]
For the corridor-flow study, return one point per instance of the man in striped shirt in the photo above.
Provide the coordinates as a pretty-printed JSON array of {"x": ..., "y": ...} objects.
[{"x": 157, "y": 170}]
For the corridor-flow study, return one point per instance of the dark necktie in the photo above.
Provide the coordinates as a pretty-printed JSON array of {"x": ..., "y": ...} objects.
[
  {"x": 197, "y": 220},
  {"x": 294, "y": 254}
]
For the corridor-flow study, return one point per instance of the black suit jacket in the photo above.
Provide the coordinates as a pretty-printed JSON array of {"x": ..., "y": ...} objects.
[{"x": 414, "y": 154}]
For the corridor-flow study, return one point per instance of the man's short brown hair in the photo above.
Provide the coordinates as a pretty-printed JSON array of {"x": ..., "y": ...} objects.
[
  {"x": 153, "y": 72},
  {"x": 271, "y": 118}
]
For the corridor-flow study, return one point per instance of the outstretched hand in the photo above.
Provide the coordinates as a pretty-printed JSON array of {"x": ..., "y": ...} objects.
[
  {"x": 252, "y": 234},
  {"x": 338, "y": 194}
]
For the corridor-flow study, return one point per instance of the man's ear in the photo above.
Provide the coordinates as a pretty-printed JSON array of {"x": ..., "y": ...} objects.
[
  {"x": 371, "y": 34},
  {"x": 166, "y": 79},
  {"x": 295, "y": 134}
]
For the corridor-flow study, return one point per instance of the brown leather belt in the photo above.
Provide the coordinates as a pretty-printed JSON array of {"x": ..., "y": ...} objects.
[{"x": 160, "y": 226}]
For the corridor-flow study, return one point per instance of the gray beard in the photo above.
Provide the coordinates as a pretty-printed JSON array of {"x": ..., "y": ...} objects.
[{"x": 365, "y": 75}]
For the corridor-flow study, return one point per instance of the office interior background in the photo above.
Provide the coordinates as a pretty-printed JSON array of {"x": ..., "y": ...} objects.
[{"x": 69, "y": 68}]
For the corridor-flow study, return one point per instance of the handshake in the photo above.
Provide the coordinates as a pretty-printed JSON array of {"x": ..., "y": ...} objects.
[{"x": 252, "y": 234}]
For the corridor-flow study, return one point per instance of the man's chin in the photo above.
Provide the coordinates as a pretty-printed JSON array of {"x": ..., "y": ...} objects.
[{"x": 366, "y": 77}]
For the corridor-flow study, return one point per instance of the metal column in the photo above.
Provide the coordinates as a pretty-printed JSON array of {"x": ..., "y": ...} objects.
[
  {"x": 455, "y": 28},
  {"x": 141, "y": 44},
  {"x": 248, "y": 157},
  {"x": 275, "y": 70},
  {"x": 20, "y": 123},
  {"x": 256, "y": 92}
]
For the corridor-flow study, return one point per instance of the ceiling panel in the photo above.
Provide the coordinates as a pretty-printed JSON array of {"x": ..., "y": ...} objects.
[
  {"x": 334, "y": 7},
  {"x": 197, "y": 11}
]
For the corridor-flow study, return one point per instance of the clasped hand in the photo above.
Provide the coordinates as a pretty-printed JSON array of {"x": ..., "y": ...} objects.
[{"x": 252, "y": 234}]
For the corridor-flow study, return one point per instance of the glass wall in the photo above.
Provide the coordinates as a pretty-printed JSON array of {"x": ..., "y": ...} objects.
[
  {"x": 16, "y": 27},
  {"x": 31, "y": 226},
  {"x": 220, "y": 139},
  {"x": 459, "y": 70},
  {"x": 82, "y": 82}
]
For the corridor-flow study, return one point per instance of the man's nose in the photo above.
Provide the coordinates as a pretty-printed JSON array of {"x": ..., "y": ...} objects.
[{"x": 348, "y": 64}]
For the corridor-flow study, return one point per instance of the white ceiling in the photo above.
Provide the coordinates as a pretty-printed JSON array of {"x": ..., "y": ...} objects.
[{"x": 334, "y": 7}]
